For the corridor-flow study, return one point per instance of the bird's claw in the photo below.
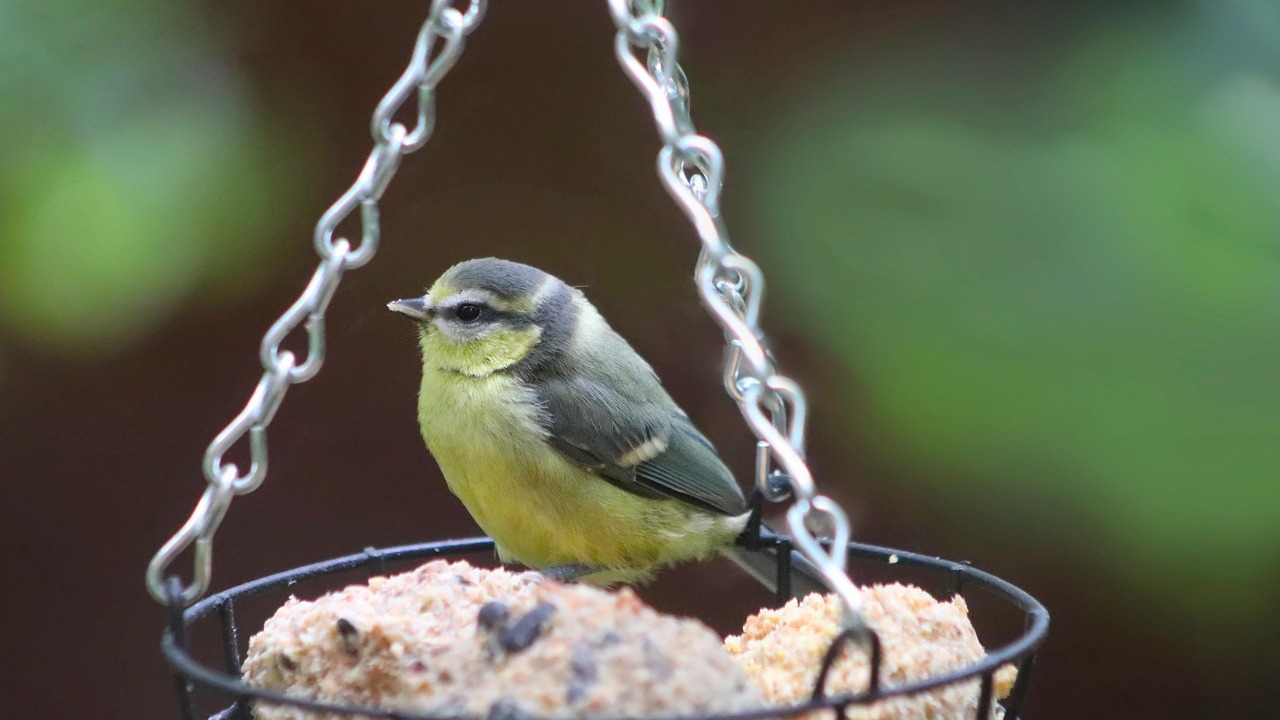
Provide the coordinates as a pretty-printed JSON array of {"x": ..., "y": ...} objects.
[{"x": 568, "y": 572}]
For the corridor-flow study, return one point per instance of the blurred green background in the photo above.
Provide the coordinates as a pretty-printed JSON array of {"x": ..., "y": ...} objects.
[{"x": 1025, "y": 258}]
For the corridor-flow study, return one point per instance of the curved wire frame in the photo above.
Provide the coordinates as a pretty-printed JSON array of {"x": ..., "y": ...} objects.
[{"x": 792, "y": 571}]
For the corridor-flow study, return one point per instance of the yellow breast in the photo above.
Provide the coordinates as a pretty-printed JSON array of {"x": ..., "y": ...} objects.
[{"x": 541, "y": 509}]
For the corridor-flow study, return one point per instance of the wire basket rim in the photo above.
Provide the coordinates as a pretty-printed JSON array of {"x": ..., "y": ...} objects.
[{"x": 1020, "y": 650}]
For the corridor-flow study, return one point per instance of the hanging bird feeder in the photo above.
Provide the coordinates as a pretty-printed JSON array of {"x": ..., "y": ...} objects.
[{"x": 731, "y": 287}]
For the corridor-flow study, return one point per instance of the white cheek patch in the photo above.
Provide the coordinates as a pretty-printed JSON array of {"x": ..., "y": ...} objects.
[{"x": 457, "y": 332}]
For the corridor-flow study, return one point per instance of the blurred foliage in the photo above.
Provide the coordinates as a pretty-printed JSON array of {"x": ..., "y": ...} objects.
[
  {"x": 128, "y": 178},
  {"x": 1059, "y": 284}
]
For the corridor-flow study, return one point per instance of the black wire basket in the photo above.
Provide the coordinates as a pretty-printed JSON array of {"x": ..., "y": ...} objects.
[{"x": 222, "y": 677}]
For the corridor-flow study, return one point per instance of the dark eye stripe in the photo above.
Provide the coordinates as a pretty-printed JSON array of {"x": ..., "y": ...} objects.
[{"x": 488, "y": 314}]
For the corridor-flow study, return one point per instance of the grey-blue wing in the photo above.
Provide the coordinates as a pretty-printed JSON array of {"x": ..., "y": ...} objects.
[
  {"x": 630, "y": 433},
  {"x": 692, "y": 469}
]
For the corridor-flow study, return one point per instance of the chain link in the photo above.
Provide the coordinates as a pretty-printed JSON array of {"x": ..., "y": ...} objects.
[
  {"x": 438, "y": 45},
  {"x": 731, "y": 286}
]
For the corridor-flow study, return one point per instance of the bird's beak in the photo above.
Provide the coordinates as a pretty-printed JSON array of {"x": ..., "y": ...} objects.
[{"x": 417, "y": 308}]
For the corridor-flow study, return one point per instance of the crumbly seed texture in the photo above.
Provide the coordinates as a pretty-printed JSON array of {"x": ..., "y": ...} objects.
[
  {"x": 412, "y": 642},
  {"x": 782, "y": 650}
]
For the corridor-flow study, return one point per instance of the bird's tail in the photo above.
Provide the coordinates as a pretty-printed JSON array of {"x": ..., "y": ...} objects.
[{"x": 762, "y": 564}]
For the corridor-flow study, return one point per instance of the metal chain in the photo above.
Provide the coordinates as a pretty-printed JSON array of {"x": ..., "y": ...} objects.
[
  {"x": 438, "y": 45},
  {"x": 731, "y": 285}
]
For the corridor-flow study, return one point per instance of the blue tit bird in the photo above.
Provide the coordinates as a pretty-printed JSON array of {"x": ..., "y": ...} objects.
[{"x": 557, "y": 436}]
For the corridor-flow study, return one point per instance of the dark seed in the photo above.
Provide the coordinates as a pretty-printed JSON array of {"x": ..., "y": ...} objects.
[
  {"x": 582, "y": 663},
  {"x": 287, "y": 663},
  {"x": 348, "y": 635},
  {"x": 656, "y": 661},
  {"x": 577, "y": 691},
  {"x": 526, "y": 630},
  {"x": 504, "y": 710},
  {"x": 493, "y": 615}
]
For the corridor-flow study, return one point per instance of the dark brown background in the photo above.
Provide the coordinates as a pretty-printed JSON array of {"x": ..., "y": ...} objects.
[{"x": 543, "y": 153}]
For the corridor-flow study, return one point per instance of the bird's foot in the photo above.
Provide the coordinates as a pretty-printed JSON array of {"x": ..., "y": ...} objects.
[{"x": 569, "y": 572}]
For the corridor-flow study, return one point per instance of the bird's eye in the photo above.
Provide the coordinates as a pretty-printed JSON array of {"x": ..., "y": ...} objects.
[{"x": 468, "y": 312}]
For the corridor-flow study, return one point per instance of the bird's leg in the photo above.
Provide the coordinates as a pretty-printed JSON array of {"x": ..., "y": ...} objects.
[{"x": 568, "y": 572}]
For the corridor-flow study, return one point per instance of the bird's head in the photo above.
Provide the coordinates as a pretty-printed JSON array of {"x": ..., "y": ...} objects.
[{"x": 488, "y": 315}]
